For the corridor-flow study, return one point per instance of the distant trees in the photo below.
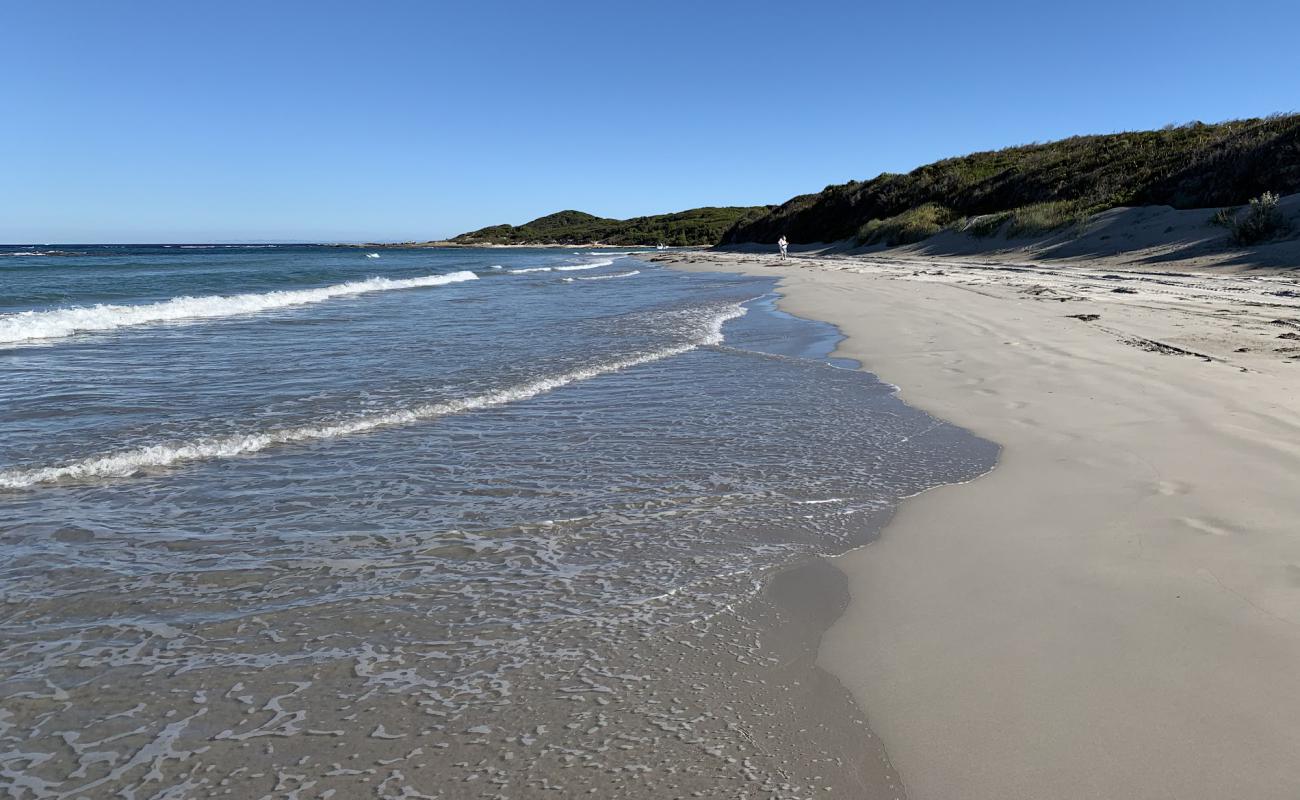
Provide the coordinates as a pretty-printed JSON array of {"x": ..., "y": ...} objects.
[{"x": 698, "y": 226}]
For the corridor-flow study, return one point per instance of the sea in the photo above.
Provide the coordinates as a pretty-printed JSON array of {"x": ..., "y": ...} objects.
[{"x": 320, "y": 521}]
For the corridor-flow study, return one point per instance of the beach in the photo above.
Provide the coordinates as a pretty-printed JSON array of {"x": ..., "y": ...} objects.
[
  {"x": 450, "y": 401},
  {"x": 1114, "y": 610},
  {"x": 642, "y": 524}
]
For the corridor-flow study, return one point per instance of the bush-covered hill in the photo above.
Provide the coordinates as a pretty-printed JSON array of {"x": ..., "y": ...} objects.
[
  {"x": 698, "y": 226},
  {"x": 1035, "y": 188}
]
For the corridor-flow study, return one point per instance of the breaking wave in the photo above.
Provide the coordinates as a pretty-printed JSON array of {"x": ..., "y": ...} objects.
[
  {"x": 592, "y": 265},
  {"x": 31, "y": 325},
  {"x": 570, "y": 268},
  {"x": 606, "y": 277}
]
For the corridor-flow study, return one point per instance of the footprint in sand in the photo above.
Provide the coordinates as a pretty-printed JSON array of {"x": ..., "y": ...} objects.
[
  {"x": 1207, "y": 526},
  {"x": 1172, "y": 488}
]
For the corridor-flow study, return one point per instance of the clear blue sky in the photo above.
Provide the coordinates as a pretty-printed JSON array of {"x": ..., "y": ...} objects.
[{"x": 209, "y": 120}]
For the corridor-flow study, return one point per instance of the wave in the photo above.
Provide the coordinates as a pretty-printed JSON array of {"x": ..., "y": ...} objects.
[
  {"x": 569, "y": 268},
  {"x": 593, "y": 265},
  {"x": 605, "y": 277},
  {"x": 126, "y": 463},
  {"x": 30, "y": 325}
]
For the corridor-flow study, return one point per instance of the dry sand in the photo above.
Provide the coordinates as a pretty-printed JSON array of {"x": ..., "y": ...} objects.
[{"x": 1114, "y": 611}]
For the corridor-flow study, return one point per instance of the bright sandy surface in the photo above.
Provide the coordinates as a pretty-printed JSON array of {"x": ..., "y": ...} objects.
[{"x": 1114, "y": 611}]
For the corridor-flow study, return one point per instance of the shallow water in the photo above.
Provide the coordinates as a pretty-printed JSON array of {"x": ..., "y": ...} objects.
[{"x": 304, "y": 499}]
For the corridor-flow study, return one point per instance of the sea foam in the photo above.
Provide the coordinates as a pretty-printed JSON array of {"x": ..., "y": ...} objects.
[
  {"x": 30, "y": 325},
  {"x": 593, "y": 265},
  {"x": 568, "y": 268},
  {"x": 705, "y": 324},
  {"x": 606, "y": 277}
]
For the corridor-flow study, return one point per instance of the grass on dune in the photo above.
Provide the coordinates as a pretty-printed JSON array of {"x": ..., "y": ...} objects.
[{"x": 1047, "y": 186}]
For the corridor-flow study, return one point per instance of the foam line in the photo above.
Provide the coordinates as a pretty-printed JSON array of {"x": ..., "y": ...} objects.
[
  {"x": 571, "y": 268},
  {"x": 593, "y": 265},
  {"x": 607, "y": 277}
]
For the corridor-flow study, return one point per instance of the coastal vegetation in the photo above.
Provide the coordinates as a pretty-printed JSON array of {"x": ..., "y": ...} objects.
[
  {"x": 698, "y": 226},
  {"x": 1261, "y": 222},
  {"x": 1034, "y": 189}
]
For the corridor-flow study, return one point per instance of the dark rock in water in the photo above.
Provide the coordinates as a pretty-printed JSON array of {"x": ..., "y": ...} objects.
[
  {"x": 1289, "y": 335},
  {"x": 1124, "y": 290},
  {"x": 1084, "y": 317}
]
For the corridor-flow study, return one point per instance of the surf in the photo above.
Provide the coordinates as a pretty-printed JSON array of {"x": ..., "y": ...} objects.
[
  {"x": 704, "y": 324},
  {"x": 26, "y": 326},
  {"x": 605, "y": 262},
  {"x": 592, "y": 265},
  {"x": 606, "y": 277}
]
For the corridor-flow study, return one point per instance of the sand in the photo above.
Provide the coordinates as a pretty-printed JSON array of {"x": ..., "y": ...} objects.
[{"x": 1114, "y": 611}]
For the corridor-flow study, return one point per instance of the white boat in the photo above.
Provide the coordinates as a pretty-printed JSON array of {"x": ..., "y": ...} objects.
[{"x": 372, "y": 255}]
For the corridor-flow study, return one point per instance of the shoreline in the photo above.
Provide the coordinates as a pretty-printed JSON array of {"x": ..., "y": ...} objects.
[
  {"x": 1113, "y": 610},
  {"x": 450, "y": 245}
]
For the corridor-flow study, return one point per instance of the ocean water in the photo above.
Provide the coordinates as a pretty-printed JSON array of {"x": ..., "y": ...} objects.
[{"x": 300, "y": 520}]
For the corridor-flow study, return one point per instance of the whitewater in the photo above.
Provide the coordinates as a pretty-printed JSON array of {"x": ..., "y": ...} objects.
[
  {"x": 564, "y": 268},
  {"x": 28, "y": 326}
]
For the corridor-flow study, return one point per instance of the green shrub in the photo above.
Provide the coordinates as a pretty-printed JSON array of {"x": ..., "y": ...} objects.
[
  {"x": 985, "y": 224},
  {"x": 913, "y": 225},
  {"x": 1224, "y": 218},
  {"x": 1262, "y": 221},
  {"x": 1038, "y": 219}
]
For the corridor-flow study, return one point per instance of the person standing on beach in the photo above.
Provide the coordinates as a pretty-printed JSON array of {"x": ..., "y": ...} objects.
[{"x": 782, "y": 243}]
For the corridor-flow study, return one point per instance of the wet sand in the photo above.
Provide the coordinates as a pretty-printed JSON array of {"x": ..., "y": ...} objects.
[{"x": 1114, "y": 611}]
